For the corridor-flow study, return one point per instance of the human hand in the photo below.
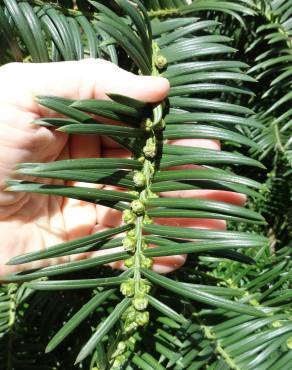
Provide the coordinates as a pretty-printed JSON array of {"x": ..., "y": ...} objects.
[{"x": 31, "y": 222}]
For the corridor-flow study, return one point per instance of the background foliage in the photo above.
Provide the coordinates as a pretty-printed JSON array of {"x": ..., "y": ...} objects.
[{"x": 248, "y": 93}]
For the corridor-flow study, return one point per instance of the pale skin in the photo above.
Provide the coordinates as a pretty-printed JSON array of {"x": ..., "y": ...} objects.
[{"x": 31, "y": 222}]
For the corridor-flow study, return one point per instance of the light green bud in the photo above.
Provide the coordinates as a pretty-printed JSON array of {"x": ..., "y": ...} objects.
[
  {"x": 146, "y": 263},
  {"x": 142, "y": 318},
  {"x": 139, "y": 179},
  {"x": 289, "y": 343},
  {"x": 130, "y": 326},
  {"x": 140, "y": 303},
  {"x": 131, "y": 233},
  {"x": 129, "y": 314},
  {"x": 129, "y": 262},
  {"x": 129, "y": 217},
  {"x": 147, "y": 220},
  {"x": 138, "y": 207},
  {"x": 147, "y": 125},
  {"x": 127, "y": 288},
  {"x": 161, "y": 62},
  {"x": 152, "y": 195},
  {"x": 144, "y": 286},
  {"x": 155, "y": 48},
  {"x": 131, "y": 341},
  {"x": 119, "y": 362},
  {"x": 144, "y": 245},
  {"x": 121, "y": 348},
  {"x": 151, "y": 169},
  {"x": 150, "y": 149},
  {"x": 129, "y": 244},
  {"x": 276, "y": 324},
  {"x": 141, "y": 160},
  {"x": 254, "y": 302}
]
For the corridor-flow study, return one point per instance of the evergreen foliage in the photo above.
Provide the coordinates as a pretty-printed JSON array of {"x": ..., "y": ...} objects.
[{"x": 229, "y": 307}]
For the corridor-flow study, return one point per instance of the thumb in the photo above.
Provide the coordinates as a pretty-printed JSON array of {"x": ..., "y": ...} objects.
[{"x": 85, "y": 79}]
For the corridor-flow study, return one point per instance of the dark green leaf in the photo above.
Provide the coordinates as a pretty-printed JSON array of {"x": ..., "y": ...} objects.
[
  {"x": 68, "y": 246},
  {"x": 59, "y": 122},
  {"x": 83, "y": 164},
  {"x": 205, "y": 156},
  {"x": 216, "y": 5},
  {"x": 108, "y": 177},
  {"x": 106, "y": 244},
  {"x": 189, "y": 233},
  {"x": 139, "y": 22},
  {"x": 78, "y": 284},
  {"x": 151, "y": 361},
  {"x": 58, "y": 48},
  {"x": 35, "y": 25},
  {"x": 183, "y": 213},
  {"x": 203, "y": 76},
  {"x": 204, "y": 204},
  {"x": 170, "y": 24},
  {"x": 201, "y": 88},
  {"x": 222, "y": 291},
  {"x": 201, "y": 184},
  {"x": 75, "y": 31},
  {"x": 117, "y": 27},
  {"x": 182, "y": 131},
  {"x": 109, "y": 109},
  {"x": 166, "y": 310},
  {"x": 79, "y": 316},
  {"x": 65, "y": 268},
  {"x": 211, "y": 117},
  {"x": 62, "y": 29},
  {"x": 196, "y": 26},
  {"x": 179, "y": 69},
  {"x": 198, "y": 295},
  {"x": 75, "y": 192},
  {"x": 205, "y": 174},
  {"x": 126, "y": 44},
  {"x": 7, "y": 31},
  {"x": 90, "y": 34},
  {"x": 170, "y": 248},
  {"x": 23, "y": 28},
  {"x": 103, "y": 329},
  {"x": 130, "y": 102},
  {"x": 58, "y": 106},
  {"x": 192, "y": 103},
  {"x": 143, "y": 365},
  {"x": 186, "y": 50},
  {"x": 98, "y": 129}
]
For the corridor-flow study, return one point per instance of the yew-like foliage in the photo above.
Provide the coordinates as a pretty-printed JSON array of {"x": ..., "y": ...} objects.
[{"x": 229, "y": 67}]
